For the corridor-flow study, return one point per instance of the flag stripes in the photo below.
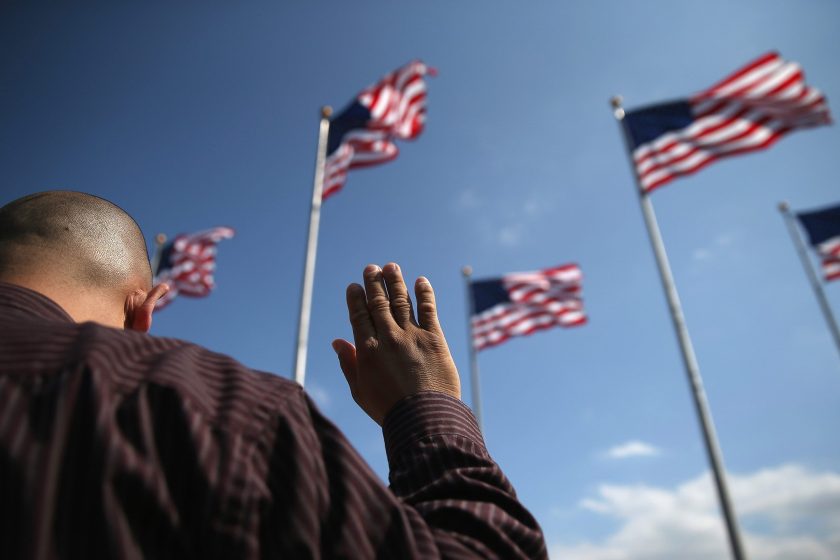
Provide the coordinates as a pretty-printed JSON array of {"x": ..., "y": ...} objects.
[
  {"x": 829, "y": 250},
  {"x": 528, "y": 302},
  {"x": 363, "y": 134},
  {"x": 750, "y": 110},
  {"x": 187, "y": 264}
]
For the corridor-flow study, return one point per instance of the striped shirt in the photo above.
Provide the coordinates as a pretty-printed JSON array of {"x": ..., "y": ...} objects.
[{"x": 123, "y": 445}]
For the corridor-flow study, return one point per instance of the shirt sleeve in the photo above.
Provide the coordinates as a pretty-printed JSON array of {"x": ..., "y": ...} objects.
[
  {"x": 448, "y": 499},
  {"x": 440, "y": 466}
]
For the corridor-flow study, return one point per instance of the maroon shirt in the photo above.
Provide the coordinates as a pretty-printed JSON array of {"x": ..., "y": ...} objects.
[{"x": 119, "y": 444}]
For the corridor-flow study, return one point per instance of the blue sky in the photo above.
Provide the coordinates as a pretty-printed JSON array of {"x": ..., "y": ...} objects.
[{"x": 205, "y": 114}]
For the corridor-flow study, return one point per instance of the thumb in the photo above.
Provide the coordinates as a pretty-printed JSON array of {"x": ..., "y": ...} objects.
[{"x": 346, "y": 353}]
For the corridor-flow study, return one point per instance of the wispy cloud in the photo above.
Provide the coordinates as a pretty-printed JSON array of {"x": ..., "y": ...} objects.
[
  {"x": 720, "y": 242},
  {"x": 510, "y": 236},
  {"x": 794, "y": 513},
  {"x": 633, "y": 448},
  {"x": 701, "y": 254},
  {"x": 724, "y": 239},
  {"x": 319, "y": 395},
  {"x": 468, "y": 198},
  {"x": 507, "y": 224}
]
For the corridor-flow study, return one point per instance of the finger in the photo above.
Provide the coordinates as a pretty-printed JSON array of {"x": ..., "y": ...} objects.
[
  {"x": 398, "y": 294},
  {"x": 426, "y": 306},
  {"x": 357, "y": 309},
  {"x": 377, "y": 300},
  {"x": 346, "y": 353}
]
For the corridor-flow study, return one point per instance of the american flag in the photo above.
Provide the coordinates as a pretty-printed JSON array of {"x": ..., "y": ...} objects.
[
  {"x": 823, "y": 228},
  {"x": 187, "y": 263},
  {"x": 747, "y": 111},
  {"x": 363, "y": 133},
  {"x": 521, "y": 303}
]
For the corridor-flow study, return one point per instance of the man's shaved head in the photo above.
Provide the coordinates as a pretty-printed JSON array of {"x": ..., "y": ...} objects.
[{"x": 77, "y": 238}]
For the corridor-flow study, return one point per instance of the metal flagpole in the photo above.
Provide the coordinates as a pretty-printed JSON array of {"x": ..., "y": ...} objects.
[
  {"x": 160, "y": 240},
  {"x": 689, "y": 359},
  {"x": 312, "y": 246},
  {"x": 784, "y": 208},
  {"x": 474, "y": 383}
]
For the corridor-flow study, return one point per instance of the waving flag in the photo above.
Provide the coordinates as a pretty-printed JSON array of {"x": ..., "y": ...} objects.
[
  {"x": 363, "y": 133},
  {"x": 747, "y": 111},
  {"x": 823, "y": 227},
  {"x": 521, "y": 303},
  {"x": 187, "y": 263}
]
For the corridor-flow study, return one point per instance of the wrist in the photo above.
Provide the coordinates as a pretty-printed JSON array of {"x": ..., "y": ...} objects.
[{"x": 423, "y": 415}]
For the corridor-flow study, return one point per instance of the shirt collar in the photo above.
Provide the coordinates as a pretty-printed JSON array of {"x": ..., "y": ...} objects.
[{"x": 19, "y": 299}]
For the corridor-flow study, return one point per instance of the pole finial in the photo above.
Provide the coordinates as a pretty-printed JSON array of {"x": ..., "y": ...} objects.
[
  {"x": 326, "y": 112},
  {"x": 160, "y": 239},
  {"x": 784, "y": 206},
  {"x": 467, "y": 270},
  {"x": 618, "y": 110}
]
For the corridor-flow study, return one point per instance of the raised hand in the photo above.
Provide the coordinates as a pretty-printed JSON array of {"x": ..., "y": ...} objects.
[{"x": 395, "y": 355}]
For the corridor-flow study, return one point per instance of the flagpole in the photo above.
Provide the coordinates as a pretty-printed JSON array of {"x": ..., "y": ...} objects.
[
  {"x": 474, "y": 382},
  {"x": 160, "y": 240},
  {"x": 784, "y": 208},
  {"x": 312, "y": 246},
  {"x": 689, "y": 359}
]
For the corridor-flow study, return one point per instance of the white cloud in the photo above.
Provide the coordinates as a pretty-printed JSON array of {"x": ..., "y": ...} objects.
[
  {"x": 798, "y": 511},
  {"x": 509, "y": 236},
  {"x": 724, "y": 239},
  {"x": 719, "y": 245},
  {"x": 468, "y": 199},
  {"x": 701, "y": 254},
  {"x": 532, "y": 207},
  {"x": 537, "y": 204},
  {"x": 633, "y": 448},
  {"x": 319, "y": 395}
]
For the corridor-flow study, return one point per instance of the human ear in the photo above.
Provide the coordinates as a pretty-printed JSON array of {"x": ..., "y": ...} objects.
[{"x": 139, "y": 307}]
